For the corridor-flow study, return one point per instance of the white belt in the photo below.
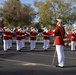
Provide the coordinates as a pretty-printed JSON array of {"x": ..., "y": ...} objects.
[
  {"x": 5, "y": 35},
  {"x": 9, "y": 36},
  {"x": 72, "y": 37}
]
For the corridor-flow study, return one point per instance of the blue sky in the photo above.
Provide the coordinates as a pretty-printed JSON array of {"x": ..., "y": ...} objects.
[
  {"x": 27, "y": 1},
  {"x": 23, "y": 1}
]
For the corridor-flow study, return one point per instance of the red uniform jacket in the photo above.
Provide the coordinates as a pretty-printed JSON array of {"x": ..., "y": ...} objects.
[
  {"x": 67, "y": 38},
  {"x": 58, "y": 37},
  {"x": 10, "y": 36},
  {"x": 18, "y": 35},
  {"x": 33, "y": 35},
  {"x": 72, "y": 36},
  {"x": 5, "y": 34},
  {"x": 23, "y": 35},
  {"x": 46, "y": 36}
]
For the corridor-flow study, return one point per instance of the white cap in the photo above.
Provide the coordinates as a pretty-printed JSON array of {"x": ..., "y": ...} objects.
[
  {"x": 59, "y": 20},
  {"x": 72, "y": 29},
  {"x": 5, "y": 27}
]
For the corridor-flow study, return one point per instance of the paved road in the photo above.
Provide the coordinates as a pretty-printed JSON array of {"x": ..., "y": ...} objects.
[{"x": 35, "y": 63}]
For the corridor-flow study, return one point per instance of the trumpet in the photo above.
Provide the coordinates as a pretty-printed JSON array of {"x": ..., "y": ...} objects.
[
  {"x": 12, "y": 29},
  {"x": 45, "y": 29},
  {"x": 20, "y": 29},
  {"x": 35, "y": 30},
  {"x": 5, "y": 27},
  {"x": 25, "y": 28}
]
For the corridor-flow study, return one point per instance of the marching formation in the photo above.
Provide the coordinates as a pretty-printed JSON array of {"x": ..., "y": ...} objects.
[
  {"x": 20, "y": 34},
  {"x": 59, "y": 34}
]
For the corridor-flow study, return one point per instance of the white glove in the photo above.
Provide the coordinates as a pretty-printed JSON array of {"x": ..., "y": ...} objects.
[{"x": 46, "y": 30}]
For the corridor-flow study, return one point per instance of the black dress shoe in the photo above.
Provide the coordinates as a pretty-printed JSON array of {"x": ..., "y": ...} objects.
[
  {"x": 19, "y": 51},
  {"x": 73, "y": 50},
  {"x": 60, "y": 66},
  {"x": 32, "y": 50},
  {"x": 6, "y": 51},
  {"x": 45, "y": 50}
]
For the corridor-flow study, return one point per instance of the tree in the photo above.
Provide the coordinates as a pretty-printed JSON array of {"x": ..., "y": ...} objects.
[
  {"x": 68, "y": 28},
  {"x": 16, "y": 14},
  {"x": 50, "y": 10}
]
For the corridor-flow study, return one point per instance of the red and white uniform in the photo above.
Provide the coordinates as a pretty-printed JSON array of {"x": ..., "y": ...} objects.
[
  {"x": 59, "y": 44},
  {"x": 10, "y": 37},
  {"x": 33, "y": 35},
  {"x": 67, "y": 39},
  {"x": 46, "y": 38},
  {"x": 5, "y": 39},
  {"x": 18, "y": 35},
  {"x": 23, "y": 39},
  {"x": 5, "y": 34},
  {"x": 72, "y": 38},
  {"x": 18, "y": 39},
  {"x": 58, "y": 38}
]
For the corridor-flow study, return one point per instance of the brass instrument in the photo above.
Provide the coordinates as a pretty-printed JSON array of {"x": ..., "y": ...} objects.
[
  {"x": 20, "y": 29},
  {"x": 35, "y": 30},
  {"x": 5, "y": 27},
  {"x": 11, "y": 29},
  {"x": 45, "y": 29},
  {"x": 25, "y": 28}
]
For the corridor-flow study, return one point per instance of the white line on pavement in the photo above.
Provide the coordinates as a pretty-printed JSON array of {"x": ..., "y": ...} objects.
[{"x": 27, "y": 63}]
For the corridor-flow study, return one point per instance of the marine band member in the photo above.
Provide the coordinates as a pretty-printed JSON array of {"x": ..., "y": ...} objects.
[
  {"x": 72, "y": 38},
  {"x": 59, "y": 32},
  {"x": 46, "y": 38},
  {"x": 33, "y": 34}
]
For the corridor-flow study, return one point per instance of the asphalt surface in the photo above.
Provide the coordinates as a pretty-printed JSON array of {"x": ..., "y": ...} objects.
[{"x": 38, "y": 62}]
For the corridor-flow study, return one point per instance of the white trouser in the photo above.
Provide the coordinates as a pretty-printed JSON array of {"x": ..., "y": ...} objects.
[
  {"x": 23, "y": 42},
  {"x": 72, "y": 45},
  {"x": 48, "y": 42},
  {"x": 32, "y": 44},
  {"x": 9, "y": 43},
  {"x": 19, "y": 44},
  {"x": 45, "y": 44},
  {"x": 5, "y": 46},
  {"x": 60, "y": 54}
]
